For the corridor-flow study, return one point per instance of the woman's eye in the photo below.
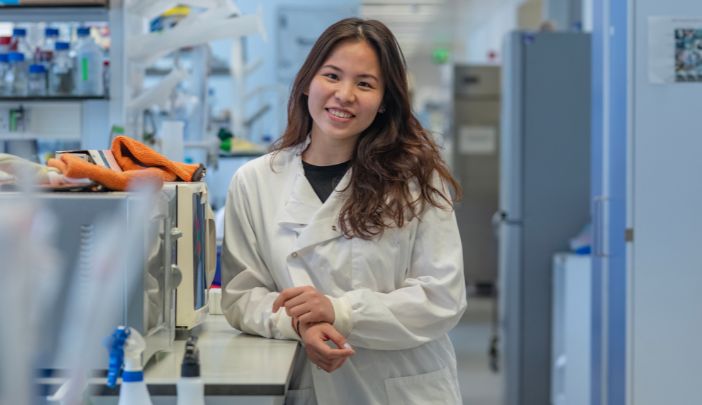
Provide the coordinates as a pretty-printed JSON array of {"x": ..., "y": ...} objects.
[
  {"x": 332, "y": 76},
  {"x": 365, "y": 85}
]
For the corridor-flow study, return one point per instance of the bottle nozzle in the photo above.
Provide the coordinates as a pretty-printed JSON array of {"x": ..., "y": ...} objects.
[
  {"x": 191, "y": 359},
  {"x": 115, "y": 345}
]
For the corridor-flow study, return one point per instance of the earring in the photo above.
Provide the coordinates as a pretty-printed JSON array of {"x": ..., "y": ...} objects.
[{"x": 381, "y": 109}]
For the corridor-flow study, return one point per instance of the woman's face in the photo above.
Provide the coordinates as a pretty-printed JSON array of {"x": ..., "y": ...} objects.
[{"x": 346, "y": 92}]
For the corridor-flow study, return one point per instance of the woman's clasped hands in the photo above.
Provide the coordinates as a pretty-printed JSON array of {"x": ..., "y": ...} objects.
[{"x": 312, "y": 316}]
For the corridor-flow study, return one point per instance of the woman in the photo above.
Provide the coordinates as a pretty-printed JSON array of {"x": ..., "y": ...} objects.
[{"x": 346, "y": 232}]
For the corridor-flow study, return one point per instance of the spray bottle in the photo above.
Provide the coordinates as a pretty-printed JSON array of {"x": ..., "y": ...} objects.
[
  {"x": 191, "y": 390},
  {"x": 126, "y": 346}
]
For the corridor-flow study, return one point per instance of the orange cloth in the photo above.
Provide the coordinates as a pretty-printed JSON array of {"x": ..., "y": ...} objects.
[
  {"x": 73, "y": 166},
  {"x": 138, "y": 162},
  {"x": 134, "y": 155}
]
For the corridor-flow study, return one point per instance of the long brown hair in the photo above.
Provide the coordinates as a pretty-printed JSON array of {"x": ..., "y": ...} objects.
[{"x": 391, "y": 154}]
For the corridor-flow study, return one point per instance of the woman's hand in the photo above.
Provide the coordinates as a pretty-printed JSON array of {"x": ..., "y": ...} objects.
[
  {"x": 306, "y": 305},
  {"x": 315, "y": 337}
]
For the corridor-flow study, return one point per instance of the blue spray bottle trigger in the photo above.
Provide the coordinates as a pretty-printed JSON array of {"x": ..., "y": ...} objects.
[{"x": 115, "y": 345}]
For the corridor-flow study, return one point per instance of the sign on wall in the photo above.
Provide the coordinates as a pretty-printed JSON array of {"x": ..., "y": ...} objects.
[{"x": 674, "y": 50}]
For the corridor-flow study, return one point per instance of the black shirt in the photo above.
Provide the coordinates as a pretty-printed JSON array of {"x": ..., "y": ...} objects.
[{"x": 324, "y": 178}]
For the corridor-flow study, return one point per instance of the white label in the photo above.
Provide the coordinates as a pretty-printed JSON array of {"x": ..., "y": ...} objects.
[{"x": 476, "y": 140}]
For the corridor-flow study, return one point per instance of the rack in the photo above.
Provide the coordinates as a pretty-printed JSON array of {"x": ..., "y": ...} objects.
[{"x": 83, "y": 118}]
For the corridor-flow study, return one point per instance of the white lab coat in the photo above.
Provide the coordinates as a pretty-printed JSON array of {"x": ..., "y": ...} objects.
[{"x": 395, "y": 298}]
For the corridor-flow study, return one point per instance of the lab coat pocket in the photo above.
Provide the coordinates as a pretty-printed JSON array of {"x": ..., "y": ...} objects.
[
  {"x": 379, "y": 264},
  {"x": 300, "y": 397},
  {"x": 437, "y": 387}
]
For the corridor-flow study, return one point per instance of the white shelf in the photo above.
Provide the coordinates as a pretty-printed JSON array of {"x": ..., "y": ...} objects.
[
  {"x": 30, "y": 136},
  {"x": 54, "y": 14}
]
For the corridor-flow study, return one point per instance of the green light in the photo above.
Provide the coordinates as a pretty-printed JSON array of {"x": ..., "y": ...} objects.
[{"x": 440, "y": 56}]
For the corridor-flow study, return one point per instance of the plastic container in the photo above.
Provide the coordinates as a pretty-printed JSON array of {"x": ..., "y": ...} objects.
[
  {"x": 88, "y": 68},
  {"x": 61, "y": 73},
  {"x": 191, "y": 390},
  {"x": 126, "y": 346},
  {"x": 36, "y": 80},
  {"x": 16, "y": 76}
]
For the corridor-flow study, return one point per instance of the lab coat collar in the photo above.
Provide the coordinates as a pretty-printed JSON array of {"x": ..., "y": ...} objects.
[{"x": 314, "y": 221}]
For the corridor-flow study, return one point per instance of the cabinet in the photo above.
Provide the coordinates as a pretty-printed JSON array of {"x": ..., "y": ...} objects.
[{"x": 571, "y": 330}]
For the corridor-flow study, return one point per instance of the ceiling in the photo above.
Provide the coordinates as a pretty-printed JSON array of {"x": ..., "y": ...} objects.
[
  {"x": 423, "y": 25},
  {"x": 417, "y": 24}
]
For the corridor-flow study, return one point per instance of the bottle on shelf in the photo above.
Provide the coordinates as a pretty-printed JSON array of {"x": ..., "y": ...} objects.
[
  {"x": 44, "y": 53},
  {"x": 16, "y": 76},
  {"x": 88, "y": 71},
  {"x": 4, "y": 67},
  {"x": 36, "y": 80},
  {"x": 51, "y": 36},
  {"x": 61, "y": 72},
  {"x": 21, "y": 44},
  {"x": 5, "y": 44}
]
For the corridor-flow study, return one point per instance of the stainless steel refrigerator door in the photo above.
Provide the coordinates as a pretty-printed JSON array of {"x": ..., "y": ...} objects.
[{"x": 476, "y": 166}]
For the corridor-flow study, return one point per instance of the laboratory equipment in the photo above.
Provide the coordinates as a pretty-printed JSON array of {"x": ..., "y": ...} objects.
[
  {"x": 196, "y": 252},
  {"x": 16, "y": 76},
  {"x": 88, "y": 72},
  {"x": 191, "y": 389},
  {"x": 4, "y": 67},
  {"x": 476, "y": 166},
  {"x": 21, "y": 44},
  {"x": 544, "y": 194},
  {"x": 126, "y": 346},
  {"x": 61, "y": 74},
  {"x": 5, "y": 44},
  {"x": 141, "y": 296},
  {"x": 51, "y": 36},
  {"x": 36, "y": 80}
]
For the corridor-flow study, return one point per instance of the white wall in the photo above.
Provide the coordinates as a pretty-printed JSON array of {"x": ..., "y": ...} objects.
[{"x": 483, "y": 25}]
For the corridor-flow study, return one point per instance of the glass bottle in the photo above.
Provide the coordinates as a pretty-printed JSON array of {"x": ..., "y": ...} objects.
[
  {"x": 16, "y": 76},
  {"x": 36, "y": 80},
  {"x": 21, "y": 44},
  {"x": 61, "y": 72},
  {"x": 4, "y": 67}
]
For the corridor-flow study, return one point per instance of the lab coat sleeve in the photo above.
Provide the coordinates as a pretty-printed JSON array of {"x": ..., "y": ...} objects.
[
  {"x": 429, "y": 302},
  {"x": 249, "y": 290}
]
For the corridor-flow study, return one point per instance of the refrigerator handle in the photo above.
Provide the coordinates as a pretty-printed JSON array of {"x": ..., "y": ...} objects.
[
  {"x": 599, "y": 226},
  {"x": 501, "y": 217},
  {"x": 497, "y": 218}
]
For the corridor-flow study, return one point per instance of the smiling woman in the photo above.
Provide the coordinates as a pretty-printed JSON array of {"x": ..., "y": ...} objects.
[
  {"x": 346, "y": 233},
  {"x": 343, "y": 99}
]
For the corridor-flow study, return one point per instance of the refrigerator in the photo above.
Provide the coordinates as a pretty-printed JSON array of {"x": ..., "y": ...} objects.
[
  {"x": 544, "y": 193},
  {"x": 476, "y": 127}
]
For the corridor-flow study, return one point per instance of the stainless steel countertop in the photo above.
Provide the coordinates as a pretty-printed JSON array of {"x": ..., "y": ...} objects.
[{"x": 231, "y": 363}]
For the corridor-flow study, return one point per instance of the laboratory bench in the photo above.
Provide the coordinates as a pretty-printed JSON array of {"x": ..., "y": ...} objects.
[{"x": 236, "y": 368}]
